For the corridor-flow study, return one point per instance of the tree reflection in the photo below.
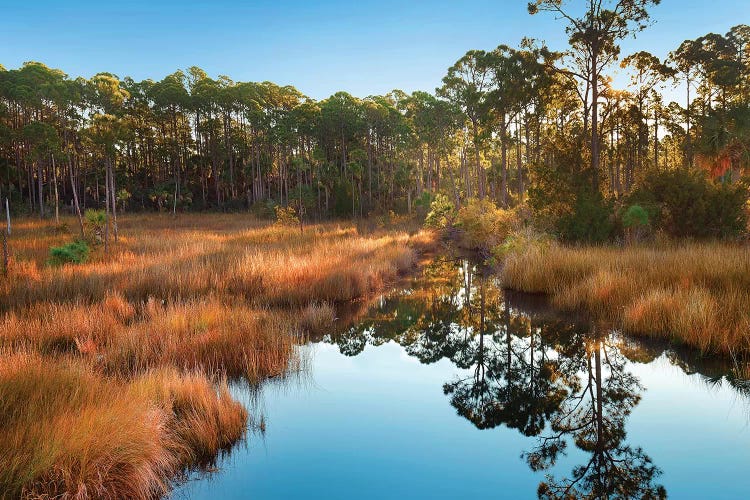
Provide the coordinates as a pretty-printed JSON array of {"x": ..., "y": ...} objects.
[
  {"x": 601, "y": 395},
  {"x": 551, "y": 378}
]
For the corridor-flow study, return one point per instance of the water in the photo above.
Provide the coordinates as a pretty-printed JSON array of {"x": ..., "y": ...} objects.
[{"x": 450, "y": 388}]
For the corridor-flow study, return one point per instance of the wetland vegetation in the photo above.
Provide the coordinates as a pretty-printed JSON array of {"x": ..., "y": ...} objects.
[{"x": 548, "y": 233}]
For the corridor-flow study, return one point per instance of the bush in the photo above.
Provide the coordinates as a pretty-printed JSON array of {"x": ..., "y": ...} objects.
[
  {"x": 685, "y": 203},
  {"x": 286, "y": 216},
  {"x": 635, "y": 220},
  {"x": 442, "y": 213},
  {"x": 484, "y": 225},
  {"x": 76, "y": 252},
  {"x": 590, "y": 221},
  {"x": 95, "y": 222}
]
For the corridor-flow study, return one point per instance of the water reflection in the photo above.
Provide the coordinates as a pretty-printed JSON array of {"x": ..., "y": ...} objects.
[{"x": 563, "y": 382}]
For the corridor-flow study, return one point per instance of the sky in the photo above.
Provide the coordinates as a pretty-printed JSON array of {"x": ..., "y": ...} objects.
[{"x": 320, "y": 46}]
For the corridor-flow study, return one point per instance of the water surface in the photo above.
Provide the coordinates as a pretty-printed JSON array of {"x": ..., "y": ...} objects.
[{"x": 451, "y": 387}]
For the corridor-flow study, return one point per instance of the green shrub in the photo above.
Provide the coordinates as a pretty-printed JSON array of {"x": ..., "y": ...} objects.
[
  {"x": 442, "y": 213},
  {"x": 76, "y": 252},
  {"x": 635, "y": 221},
  {"x": 685, "y": 203},
  {"x": 423, "y": 204},
  {"x": 95, "y": 222},
  {"x": 635, "y": 216},
  {"x": 590, "y": 221}
]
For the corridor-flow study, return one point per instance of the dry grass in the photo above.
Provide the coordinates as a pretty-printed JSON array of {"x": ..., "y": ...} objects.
[
  {"x": 698, "y": 294},
  {"x": 315, "y": 318},
  {"x": 111, "y": 372},
  {"x": 70, "y": 432},
  {"x": 269, "y": 265}
]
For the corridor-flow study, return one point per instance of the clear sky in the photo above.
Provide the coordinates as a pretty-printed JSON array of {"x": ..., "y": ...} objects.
[{"x": 320, "y": 46}]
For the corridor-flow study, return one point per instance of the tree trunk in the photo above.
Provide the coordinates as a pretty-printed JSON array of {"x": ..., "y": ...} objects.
[
  {"x": 39, "y": 194},
  {"x": 595, "y": 124},
  {"x": 57, "y": 194},
  {"x": 75, "y": 195}
]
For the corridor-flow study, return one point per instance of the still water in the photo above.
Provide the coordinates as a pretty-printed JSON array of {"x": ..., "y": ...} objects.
[{"x": 450, "y": 387}]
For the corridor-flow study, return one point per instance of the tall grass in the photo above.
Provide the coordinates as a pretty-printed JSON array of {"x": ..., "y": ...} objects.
[
  {"x": 268, "y": 265},
  {"x": 68, "y": 431},
  {"x": 113, "y": 372},
  {"x": 695, "y": 293}
]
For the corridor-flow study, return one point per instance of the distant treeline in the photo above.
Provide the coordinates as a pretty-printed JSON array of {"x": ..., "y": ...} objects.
[{"x": 511, "y": 124}]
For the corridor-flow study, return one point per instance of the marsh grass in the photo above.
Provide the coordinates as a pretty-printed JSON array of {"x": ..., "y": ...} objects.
[
  {"x": 696, "y": 293},
  {"x": 113, "y": 373},
  {"x": 71, "y": 432}
]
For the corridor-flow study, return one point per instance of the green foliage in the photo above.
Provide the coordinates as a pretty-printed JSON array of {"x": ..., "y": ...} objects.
[
  {"x": 95, "y": 222},
  {"x": 123, "y": 196},
  {"x": 76, "y": 252},
  {"x": 590, "y": 221},
  {"x": 635, "y": 221},
  {"x": 423, "y": 204},
  {"x": 686, "y": 204},
  {"x": 442, "y": 213},
  {"x": 95, "y": 218},
  {"x": 635, "y": 216},
  {"x": 286, "y": 216}
]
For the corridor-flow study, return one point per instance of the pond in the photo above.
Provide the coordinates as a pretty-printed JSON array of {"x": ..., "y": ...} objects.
[{"x": 451, "y": 387}]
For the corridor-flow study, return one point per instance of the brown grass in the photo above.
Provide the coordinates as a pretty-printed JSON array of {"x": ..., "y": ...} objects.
[
  {"x": 70, "y": 432},
  {"x": 112, "y": 372},
  {"x": 697, "y": 294},
  {"x": 230, "y": 256}
]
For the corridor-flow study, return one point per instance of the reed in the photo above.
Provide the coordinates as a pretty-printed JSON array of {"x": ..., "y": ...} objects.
[
  {"x": 694, "y": 293},
  {"x": 113, "y": 373},
  {"x": 68, "y": 431}
]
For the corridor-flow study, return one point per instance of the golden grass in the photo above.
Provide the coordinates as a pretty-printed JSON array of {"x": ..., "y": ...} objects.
[
  {"x": 231, "y": 256},
  {"x": 70, "y": 432},
  {"x": 315, "y": 318},
  {"x": 696, "y": 293},
  {"x": 112, "y": 372}
]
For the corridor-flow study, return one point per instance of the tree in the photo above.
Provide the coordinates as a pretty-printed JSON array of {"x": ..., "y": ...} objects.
[
  {"x": 466, "y": 84},
  {"x": 593, "y": 37}
]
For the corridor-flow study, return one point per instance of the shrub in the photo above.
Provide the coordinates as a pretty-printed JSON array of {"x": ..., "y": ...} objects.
[
  {"x": 95, "y": 222},
  {"x": 484, "y": 225},
  {"x": 635, "y": 220},
  {"x": 423, "y": 204},
  {"x": 286, "y": 216},
  {"x": 442, "y": 213},
  {"x": 686, "y": 204},
  {"x": 76, "y": 252},
  {"x": 590, "y": 220}
]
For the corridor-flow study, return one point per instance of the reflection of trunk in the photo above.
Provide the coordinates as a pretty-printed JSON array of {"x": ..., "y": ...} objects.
[
  {"x": 509, "y": 359},
  {"x": 480, "y": 359}
]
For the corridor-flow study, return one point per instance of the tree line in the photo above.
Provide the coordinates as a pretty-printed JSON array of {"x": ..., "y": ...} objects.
[{"x": 514, "y": 125}]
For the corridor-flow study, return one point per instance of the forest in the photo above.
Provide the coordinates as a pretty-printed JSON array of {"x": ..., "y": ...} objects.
[
  {"x": 514, "y": 125},
  {"x": 541, "y": 231}
]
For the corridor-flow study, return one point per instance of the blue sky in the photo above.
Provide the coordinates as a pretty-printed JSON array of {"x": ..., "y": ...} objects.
[{"x": 364, "y": 47}]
